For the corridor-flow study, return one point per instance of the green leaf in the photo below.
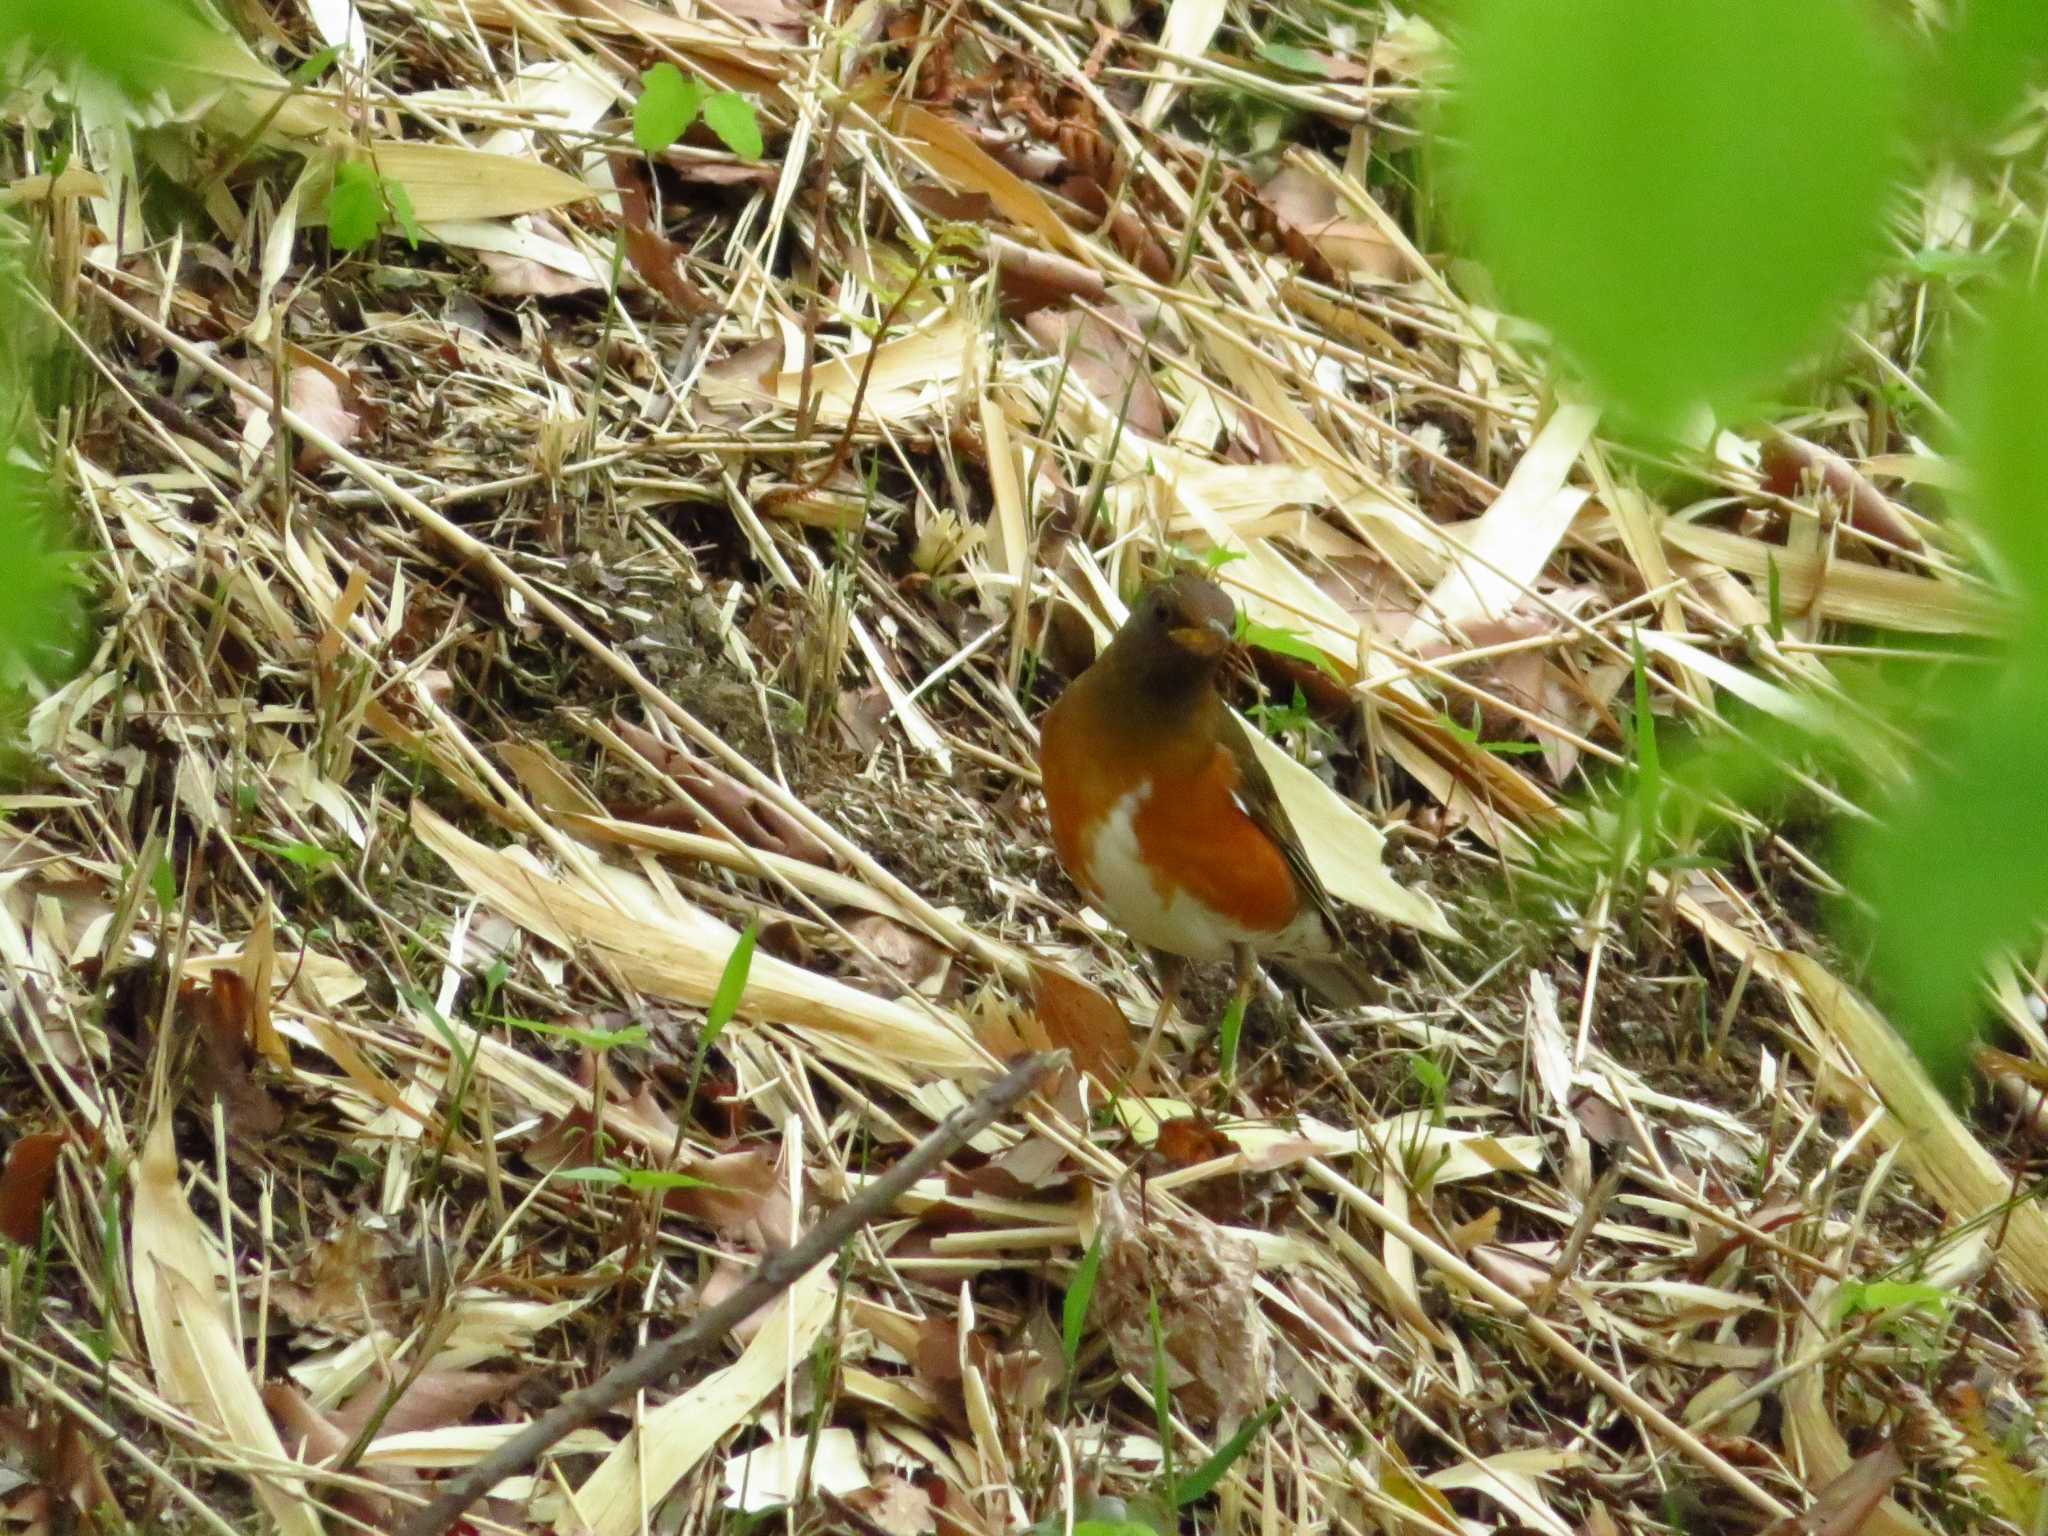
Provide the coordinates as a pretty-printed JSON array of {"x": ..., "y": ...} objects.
[
  {"x": 1685, "y": 194},
  {"x": 732, "y": 985},
  {"x": 1295, "y": 59},
  {"x": 310, "y": 70},
  {"x": 1074, "y": 1310},
  {"x": 42, "y": 616},
  {"x": 666, "y": 108},
  {"x": 400, "y": 201},
  {"x": 355, "y": 206},
  {"x": 1774, "y": 587},
  {"x": 731, "y": 116},
  {"x": 139, "y": 43},
  {"x": 1228, "y": 1037},
  {"x": 1162, "y": 1393},
  {"x": 1113, "y": 1528},
  {"x": 1999, "y": 393},
  {"x": 1857, "y": 1296},
  {"x": 1215, "y": 559},
  {"x": 1430, "y": 1076},
  {"x": 637, "y": 1179},
  {"x": 1205, "y": 1477},
  {"x": 306, "y": 855},
  {"x": 595, "y": 1039},
  {"x": 1286, "y": 642},
  {"x": 1469, "y": 734},
  {"x": 1649, "y": 768},
  {"x": 163, "y": 884}
]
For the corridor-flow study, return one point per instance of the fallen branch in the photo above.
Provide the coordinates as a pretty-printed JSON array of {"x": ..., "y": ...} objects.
[{"x": 775, "y": 1275}]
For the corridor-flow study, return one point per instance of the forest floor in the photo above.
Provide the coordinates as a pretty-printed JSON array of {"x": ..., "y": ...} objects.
[{"x": 615, "y": 554}]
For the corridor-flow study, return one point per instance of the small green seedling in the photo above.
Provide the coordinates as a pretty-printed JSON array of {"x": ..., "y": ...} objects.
[{"x": 670, "y": 101}]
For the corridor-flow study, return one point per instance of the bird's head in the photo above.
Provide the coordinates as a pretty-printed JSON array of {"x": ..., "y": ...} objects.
[{"x": 1179, "y": 631}]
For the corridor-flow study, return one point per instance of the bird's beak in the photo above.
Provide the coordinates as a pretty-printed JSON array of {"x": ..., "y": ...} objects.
[{"x": 1205, "y": 640}]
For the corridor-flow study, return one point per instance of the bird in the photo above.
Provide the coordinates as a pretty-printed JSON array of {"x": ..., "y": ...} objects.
[{"x": 1164, "y": 818}]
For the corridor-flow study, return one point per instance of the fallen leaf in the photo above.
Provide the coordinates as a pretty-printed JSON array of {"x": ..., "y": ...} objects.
[
  {"x": 1306, "y": 214},
  {"x": 64, "y": 1484},
  {"x": 345, "y": 1279},
  {"x": 1102, "y": 358},
  {"x": 741, "y": 1199},
  {"x": 437, "y": 1398},
  {"x": 779, "y": 1472},
  {"x": 224, "y": 1064},
  {"x": 903, "y": 957},
  {"x": 897, "y": 1505},
  {"x": 1218, "y": 1353},
  {"x": 1031, "y": 280},
  {"x": 1086, "y": 1021},
  {"x": 1789, "y": 463},
  {"x": 25, "y": 1183},
  {"x": 324, "y": 394},
  {"x": 1188, "y": 1140},
  {"x": 749, "y": 817},
  {"x": 1842, "y": 1507}
]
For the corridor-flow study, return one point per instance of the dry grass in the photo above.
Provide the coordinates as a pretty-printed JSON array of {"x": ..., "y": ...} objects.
[{"x": 392, "y": 845}]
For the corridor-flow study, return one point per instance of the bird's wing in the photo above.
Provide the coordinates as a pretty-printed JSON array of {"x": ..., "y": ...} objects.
[{"x": 1261, "y": 802}]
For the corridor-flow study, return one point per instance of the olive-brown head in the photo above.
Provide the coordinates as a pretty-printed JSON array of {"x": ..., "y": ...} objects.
[{"x": 1177, "y": 635}]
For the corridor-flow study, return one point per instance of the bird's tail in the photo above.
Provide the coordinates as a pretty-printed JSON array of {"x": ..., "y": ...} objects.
[{"x": 1342, "y": 981}]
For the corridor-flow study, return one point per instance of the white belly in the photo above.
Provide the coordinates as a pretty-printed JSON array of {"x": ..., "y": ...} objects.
[{"x": 1178, "y": 924}]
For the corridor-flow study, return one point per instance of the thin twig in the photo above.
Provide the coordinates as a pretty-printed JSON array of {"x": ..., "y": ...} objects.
[{"x": 776, "y": 1274}]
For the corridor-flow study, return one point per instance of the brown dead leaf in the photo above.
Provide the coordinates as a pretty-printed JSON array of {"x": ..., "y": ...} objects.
[
  {"x": 1031, "y": 280},
  {"x": 656, "y": 259},
  {"x": 1518, "y": 1273},
  {"x": 344, "y": 1280},
  {"x": 742, "y": 1199},
  {"x": 1187, "y": 1140},
  {"x": 1789, "y": 463},
  {"x": 324, "y": 394},
  {"x": 742, "y": 812},
  {"x": 64, "y": 1489},
  {"x": 1218, "y": 1354},
  {"x": 225, "y": 1058},
  {"x": 526, "y": 277},
  {"x": 1311, "y": 228},
  {"x": 25, "y": 1183},
  {"x": 1101, "y": 358},
  {"x": 304, "y": 1429},
  {"x": 1086, "y": 1021},
  {"x": 563, "y": 1141},
  {"x": 434, "y": 1401},
  {"x": 728, "y": 1275},
  {"x": 907, "y": 958},
  {"x": 895, "y": 1505},
  {"x": 1841, "y": 1508}
]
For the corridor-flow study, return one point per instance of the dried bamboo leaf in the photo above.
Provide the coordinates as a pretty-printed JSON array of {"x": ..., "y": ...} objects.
[{"x": 196, "y": 1356}]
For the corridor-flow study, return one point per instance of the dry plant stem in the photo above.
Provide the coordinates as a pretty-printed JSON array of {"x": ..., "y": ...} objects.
[
  {"x": 1652, "y": 1418},
  {"x": 774, "y": 1276}
]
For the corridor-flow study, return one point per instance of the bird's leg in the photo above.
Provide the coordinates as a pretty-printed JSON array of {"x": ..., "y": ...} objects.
[
  {"x": 1276, "y": 998},
  {"x": 1172, "y": 971}
]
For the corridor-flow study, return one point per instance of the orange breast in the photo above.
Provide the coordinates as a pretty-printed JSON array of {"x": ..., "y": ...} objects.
[{"x": 1197, "y": 839}]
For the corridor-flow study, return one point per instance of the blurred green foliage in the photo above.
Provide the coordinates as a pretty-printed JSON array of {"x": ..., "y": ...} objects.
[
  {"x": 1992, "y": 50},
  {"x": 132, "y": 41},
  {"x": 1957, "y": 871},
  {"x": 1685, "y": 194},
  {"x": 1688, "y": 197}
]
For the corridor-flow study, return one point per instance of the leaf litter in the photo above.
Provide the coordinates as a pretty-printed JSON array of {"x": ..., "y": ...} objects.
[{"x": 647, "y": 550}]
